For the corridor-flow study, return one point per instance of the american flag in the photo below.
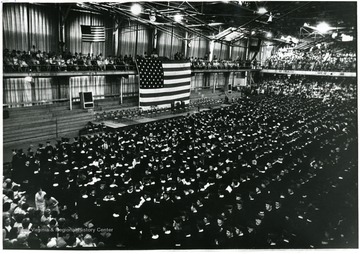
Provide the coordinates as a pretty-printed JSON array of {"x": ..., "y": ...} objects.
[
  {"x": 93, "y": 33},
  {"x": 163, "y": 83}
]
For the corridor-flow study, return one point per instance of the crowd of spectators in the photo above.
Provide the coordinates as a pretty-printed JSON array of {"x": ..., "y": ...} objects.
[
  {"x": 267, "y": 172},
  {"x": 322, "y": 58},
  {"x": 38, "y": 61},
  {"x": 216, "y": 64},
  {"x": 325, "y": 88}
]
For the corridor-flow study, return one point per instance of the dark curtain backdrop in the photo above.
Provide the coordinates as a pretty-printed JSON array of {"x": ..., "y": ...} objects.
[
  {"x": 127, "y": 39},
  {"x": 25, "y": 25},
  {"x": 265, "y": 51},
  {"x": 14, "y": 91},
  {"x": 164, "y": 43},
  {"x": 73, "y": 33},
  {"x": 239, "y": 50},
  {"x": 130, "y": 85},
  {"x": 17, "y": 91},
  {"x": 221, "y": 51},
  {"x": 198, "y": 47},
  {"x": 207, "y": 80}
]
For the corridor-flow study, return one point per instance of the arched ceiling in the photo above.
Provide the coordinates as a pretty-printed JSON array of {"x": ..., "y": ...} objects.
[{"x": 239, "y": 19}]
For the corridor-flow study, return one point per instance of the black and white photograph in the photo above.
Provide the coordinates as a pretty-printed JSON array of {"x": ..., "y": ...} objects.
[{"x": 179, "y": 126}]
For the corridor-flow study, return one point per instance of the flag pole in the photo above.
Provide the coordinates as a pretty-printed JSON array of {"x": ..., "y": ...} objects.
[
  {"x": 138, "y": 75},
  {"x": 121, "y": 90}
]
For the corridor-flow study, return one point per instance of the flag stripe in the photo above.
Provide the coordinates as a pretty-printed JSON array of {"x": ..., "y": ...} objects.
[
  {"x": 175, "y": 81},
  {"x": 146, "y": 95},
  {"x": 163, "y": 90},
  {"x": 176, "y": 65},
  {"x": 166, "y": 98},
  {"x": 176, "y": 77},
  {"x": 93, "y": 33},
  {"x": 176, "y": 72}
]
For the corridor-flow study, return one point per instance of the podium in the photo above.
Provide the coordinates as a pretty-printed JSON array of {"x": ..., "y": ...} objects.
[{"x": 86, "y": 100}]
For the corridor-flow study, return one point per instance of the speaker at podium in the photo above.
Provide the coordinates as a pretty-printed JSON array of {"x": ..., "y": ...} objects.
[{"x": 86, "y": 100}]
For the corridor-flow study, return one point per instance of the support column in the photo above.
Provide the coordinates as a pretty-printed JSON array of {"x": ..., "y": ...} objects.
[
  {"x": 155, "y": 39},
  {"x": 247, "y": 49},
  {"x": 221, "y": 47},
  {"x": 227, "y": 81},
  {"x": 91, "y": 48},
  {"x": 246, "y": 58},
  {"x": 136, "y": 39},
  {"x": 186, "y": 43},
  {"x": 212, "y": 45},
  {"x": 171, "y": 45},
  {"x": 230, "y": 52},
  {"x": 116, "y": 36},
  {"x": 70, "y": 94},
  {"x": 28, "y": 26},
  {"x": 214, "y": 86},
  {"x": 151, "y": 33},
  {"x": 121, "y": 91}
]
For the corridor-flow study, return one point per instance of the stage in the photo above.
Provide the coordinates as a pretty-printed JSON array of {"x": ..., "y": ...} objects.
[{"x": 125, "y": 122}]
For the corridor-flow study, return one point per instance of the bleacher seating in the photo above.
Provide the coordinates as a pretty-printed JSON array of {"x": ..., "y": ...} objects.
[{"x": 39, "y": 123}]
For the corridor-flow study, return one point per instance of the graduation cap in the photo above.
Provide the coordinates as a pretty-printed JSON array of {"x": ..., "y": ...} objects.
[
  {"x": 229, "y": 207},
  {"x": 154, "y": 231},
  {"x": 250, "y": 227},
  {"x": 238, "y": 197},
  {"x": 167, "y": 229}
]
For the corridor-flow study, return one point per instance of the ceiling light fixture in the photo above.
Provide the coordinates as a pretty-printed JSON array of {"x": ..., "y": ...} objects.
[
  {"x": 136, "y": 9},
  {"x": 323, "y": 27},
  {"x": 152, "y": 16},
  {"x": 178, "y": 18},
  {"x": 262, "y": 10}
]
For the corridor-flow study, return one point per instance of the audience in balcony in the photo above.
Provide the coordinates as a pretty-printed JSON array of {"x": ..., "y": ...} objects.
[
  {"x": 321, "y": 58},
  {"x": 37, "y": 61},
  {"x": 309, "y": 87},
  {"x": 204, "y": 64}
]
